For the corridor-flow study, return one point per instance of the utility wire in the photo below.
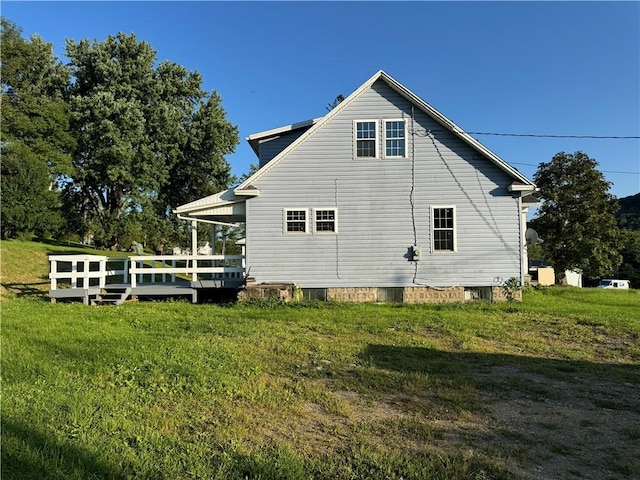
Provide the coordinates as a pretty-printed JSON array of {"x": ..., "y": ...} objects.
[
  {"x": 534, "y": 135},
  {"x": 603, "y": 171}
]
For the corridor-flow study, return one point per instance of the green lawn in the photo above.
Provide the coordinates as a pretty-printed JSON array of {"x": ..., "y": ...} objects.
[{"x": 546, "y": 388}]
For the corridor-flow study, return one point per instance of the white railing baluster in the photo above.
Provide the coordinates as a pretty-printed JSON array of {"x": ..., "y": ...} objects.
[{"x": 158, "y": 268}]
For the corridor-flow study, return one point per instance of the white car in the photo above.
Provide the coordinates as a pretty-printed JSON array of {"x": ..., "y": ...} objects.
[{"x": 609, "y": 283}]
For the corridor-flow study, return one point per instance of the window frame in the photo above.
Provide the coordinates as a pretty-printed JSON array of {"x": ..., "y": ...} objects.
[
  {"x": 454, "y": 229},
  {"x": 335, "y": 221},
  {"x": 375, "y": 140},
  {"x": 385, "y": 138},
  {"x": 286, "y": 221}
]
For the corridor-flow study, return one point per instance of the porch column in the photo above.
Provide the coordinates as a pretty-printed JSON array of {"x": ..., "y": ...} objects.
[
  {"x": 194, "y": 237},
  {"x": 194, "y": 248},
  {"x": 213, "y": 238}
]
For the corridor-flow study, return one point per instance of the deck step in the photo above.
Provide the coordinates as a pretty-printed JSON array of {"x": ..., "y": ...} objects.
[{"x": 112, "y": 296}]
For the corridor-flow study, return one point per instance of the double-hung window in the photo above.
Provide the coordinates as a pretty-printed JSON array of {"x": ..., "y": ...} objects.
[
  {"x": 395, "y": 138},
  {"x": 366, "y": 139},
  {"x": 443, "y": 224},
  {"x": 326, "y": 220},
  {"x": 295, "y": 221}
]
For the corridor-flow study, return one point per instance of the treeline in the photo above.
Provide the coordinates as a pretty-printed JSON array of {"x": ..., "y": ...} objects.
[
  {"x": 102, "y": 148},
  {"x": 582, "y": 225}
]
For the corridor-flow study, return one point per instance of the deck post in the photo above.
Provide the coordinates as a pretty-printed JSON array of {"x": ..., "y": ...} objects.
[
  {"x": 125, "y": 267},
  {"x": 153, "y": 275},
  {"x": 54, "y": 270},
  {"x": 103, "y": 273},
  {"x": 243, "y": 261},
  {"x": 74, "y": 270},
  {"x": 132, "y": 274}
]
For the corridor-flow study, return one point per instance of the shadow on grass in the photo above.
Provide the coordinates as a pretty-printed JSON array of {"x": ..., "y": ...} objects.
[
  {"x": 503, "y": 374},
  {"x": 34, "y": 289},
  {"x": 31, "y": 454}
]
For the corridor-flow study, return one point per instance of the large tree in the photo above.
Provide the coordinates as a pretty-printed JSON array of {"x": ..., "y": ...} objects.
[
  {"x": 148, "y": 136},
  {"x": 36, "y": 138},
  {"x": 577, "y": 217}
]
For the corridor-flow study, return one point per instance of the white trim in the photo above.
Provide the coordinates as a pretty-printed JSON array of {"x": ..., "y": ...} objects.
[
  {"x": 226, "y": 197},
  {"x": 432, "y": 230},
  {"x": 376, "y": 140},
  {"x": 519, "y": 187},
  {"x": 384, "y": 137},
  {"x": 285, "y": 221},
  {"x": 315, "y": 221},
  {"x": 253, "y": 192}
]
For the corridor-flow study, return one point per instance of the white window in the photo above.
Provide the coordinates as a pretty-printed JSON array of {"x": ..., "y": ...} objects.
[
  {"x": 395, "y": 138},
  {"x": 443, "y": 229},
  {"x": 325, "y": 220},
  {"x": 366, "y": 142},
  {"x": 295, "y": 221}
]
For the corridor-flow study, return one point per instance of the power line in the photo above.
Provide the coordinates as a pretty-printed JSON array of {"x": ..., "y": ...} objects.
[
  {"x": 603, "y": 171},
  {"x": 535, "y": 135}
]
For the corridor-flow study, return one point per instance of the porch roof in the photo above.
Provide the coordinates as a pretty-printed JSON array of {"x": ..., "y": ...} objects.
[{"x": 224, "y": 207}]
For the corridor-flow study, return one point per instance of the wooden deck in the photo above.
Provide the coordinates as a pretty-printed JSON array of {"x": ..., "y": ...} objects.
[{"x": 90, "y": 277}]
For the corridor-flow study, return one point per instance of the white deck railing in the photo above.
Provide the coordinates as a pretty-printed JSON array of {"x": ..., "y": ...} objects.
[
  {"x": 85, "y": 271},
  {"x": 147, "y": 269}
]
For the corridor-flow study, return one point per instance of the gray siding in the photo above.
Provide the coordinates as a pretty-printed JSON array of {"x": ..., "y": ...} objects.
[
  {"x": 373, "y": 198},
  {"x": 273, "y": 146}
]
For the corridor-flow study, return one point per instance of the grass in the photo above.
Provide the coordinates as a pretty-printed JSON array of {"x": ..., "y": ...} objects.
[{"x": 320, "y": 390}]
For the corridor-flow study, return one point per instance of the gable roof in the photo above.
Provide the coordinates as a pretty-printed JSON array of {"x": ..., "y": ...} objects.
[{"x": 522, "y": 183}]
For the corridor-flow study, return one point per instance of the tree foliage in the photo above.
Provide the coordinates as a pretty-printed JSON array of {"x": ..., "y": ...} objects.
[
  {"x": 577, "y": 218},
  {"x": 36, "y": 136},
  {"x": 629, "y": 269},
  {"x": 148, "y": 137},
  {"x": 629, "y": 214}
]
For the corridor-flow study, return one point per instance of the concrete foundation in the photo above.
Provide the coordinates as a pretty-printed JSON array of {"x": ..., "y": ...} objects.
[
  {"x": 433, "y": 295},
  {"x": 353, "y": 294},
  {"x": 280, "y": 291},
  {"x": 418, "y": 294}
]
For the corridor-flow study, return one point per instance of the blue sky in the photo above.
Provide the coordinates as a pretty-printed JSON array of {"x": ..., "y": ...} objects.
[{"x": 560, "y": 68}]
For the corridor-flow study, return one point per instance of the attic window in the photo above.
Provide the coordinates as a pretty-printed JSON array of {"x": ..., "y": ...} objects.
[
  {"x": 395, "y": 138},
  {"x": 365, "y": 133}
]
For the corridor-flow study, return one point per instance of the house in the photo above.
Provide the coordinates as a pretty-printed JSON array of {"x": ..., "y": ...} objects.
[{"x": 383, "y": 198}]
